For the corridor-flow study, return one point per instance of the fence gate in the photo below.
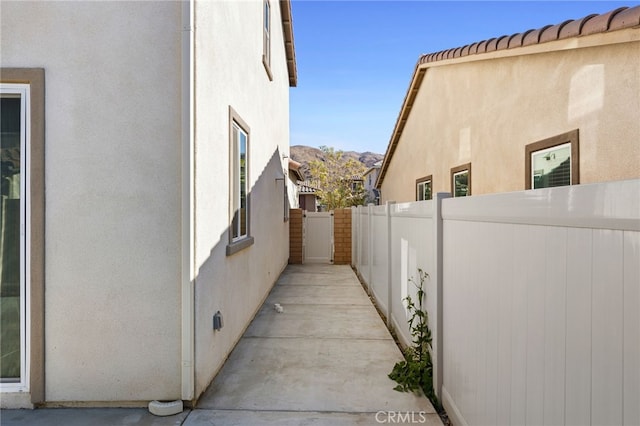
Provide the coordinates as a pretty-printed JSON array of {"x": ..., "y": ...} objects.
[{"x": 317, "y": 237}]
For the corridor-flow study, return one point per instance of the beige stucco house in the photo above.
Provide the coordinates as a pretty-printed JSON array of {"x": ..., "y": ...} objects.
[
  {"x": 369, "y": 178},
  {"x": 144, "y": 169},
  {"x": 553, "y": 106}
]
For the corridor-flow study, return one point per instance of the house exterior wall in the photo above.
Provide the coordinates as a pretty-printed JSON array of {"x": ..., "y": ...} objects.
[
  {"x": 236, "y": 285},
  {"x": 484, "y": 110},
  {"x": 112, "y": 171}
]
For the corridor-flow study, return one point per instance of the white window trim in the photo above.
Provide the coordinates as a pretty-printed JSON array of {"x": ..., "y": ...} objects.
[
  {"x": 457, "y": 171},
  {"x": 24, "y": 90},
  {"x": 237, "y": 189},
  {"x": 239, "y": 243},
  {"x": 546, "y": 150},
  {"x": 266, "y": 37},
  {"x": 571, "y": 138},
  {"x": 420, "y": 185}
]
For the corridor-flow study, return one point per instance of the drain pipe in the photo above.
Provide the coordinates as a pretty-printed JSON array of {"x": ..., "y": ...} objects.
[
  {"x": 188, "y": 202},
  {"x": 187, "y": 262}
]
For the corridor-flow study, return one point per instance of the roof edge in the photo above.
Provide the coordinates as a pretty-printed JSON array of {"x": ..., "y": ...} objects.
[
  {"x": 289, "y": 46},
  {"x": 617, "y": 19}
]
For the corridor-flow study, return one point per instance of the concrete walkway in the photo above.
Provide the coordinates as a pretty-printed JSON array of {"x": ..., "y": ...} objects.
[{"x": 323, "y": 361}]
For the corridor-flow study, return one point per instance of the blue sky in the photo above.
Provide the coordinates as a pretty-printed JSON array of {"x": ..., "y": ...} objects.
[{"x": 355, "y": 58}]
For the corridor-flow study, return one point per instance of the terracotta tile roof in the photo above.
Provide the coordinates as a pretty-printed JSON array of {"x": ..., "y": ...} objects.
[
  {"x": 294, "y": 167},
  {"x": 307, "y": 187},
  {"x": 617, "y": 19},
  {"x": 623, "y": 17}
]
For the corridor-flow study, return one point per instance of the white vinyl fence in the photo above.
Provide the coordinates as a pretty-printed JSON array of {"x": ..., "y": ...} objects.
[
  {"x": 390, "y": 244},
  {"x": 537, "y": 315}
]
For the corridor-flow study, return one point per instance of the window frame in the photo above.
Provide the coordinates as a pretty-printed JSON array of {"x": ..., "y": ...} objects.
[
  {"x": 456, "y": 171},
  {"x": 240, "y": 242},
  {"x": 572, "y": 137},
  {"x": 35, "y": 228},
  {"x": 266, "y": 37},
  {"x": 423, "y": 180},
  {"x": 22, "y": 91}
]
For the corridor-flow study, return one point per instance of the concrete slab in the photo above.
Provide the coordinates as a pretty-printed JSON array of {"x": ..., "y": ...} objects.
[
  {"x": 299, "y": 374},
  {"x": 88, "y": 416},
  {"x": 319, "y": 321},
  {"x": 318, "y": 295},
  {"x": 324, "y": 360},
  {"x": 296, "y": 418},
  {"x": 317, "y": 274}
]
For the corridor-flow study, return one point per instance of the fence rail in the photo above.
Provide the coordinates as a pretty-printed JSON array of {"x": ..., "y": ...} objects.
[{"x": 533, "y": 299}]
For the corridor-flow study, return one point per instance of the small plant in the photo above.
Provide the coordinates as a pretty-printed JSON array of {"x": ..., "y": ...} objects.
[{"x": 415, "y": 373}]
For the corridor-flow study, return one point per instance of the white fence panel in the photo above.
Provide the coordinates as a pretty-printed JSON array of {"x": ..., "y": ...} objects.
[
  {"x": 631, "y": 308},
  {"x": 379, "y": 256},
  {"x": 392, "y": 242},
  {"x": 365, "y": 235},
  {"x": 411, "y": 249},
  {"x": 546, "y": 306},
  {"x": 533, "y": 299},
  {"x": 578, "y": 328}
]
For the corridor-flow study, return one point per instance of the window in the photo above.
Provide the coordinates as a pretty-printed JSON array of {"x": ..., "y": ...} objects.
[
  {"x": 552, "y": 162},
  {"x": 423, "y": 188},
  {"x": 266, "y": 37},
  {"x": 22, "y": 231},
  {"x": 461, "y": 180},
  {"x": 239, "y": 232}
]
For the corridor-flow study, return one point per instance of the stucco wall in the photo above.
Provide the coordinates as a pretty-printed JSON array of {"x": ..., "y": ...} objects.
[
  {"x": 231, "y": 33},
  {"x": 112, "y": 138},
  {"x": 486, "y": 111}
]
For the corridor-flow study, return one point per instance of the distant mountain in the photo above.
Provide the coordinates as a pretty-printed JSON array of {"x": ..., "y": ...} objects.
[{"x": 305, "y": 154}]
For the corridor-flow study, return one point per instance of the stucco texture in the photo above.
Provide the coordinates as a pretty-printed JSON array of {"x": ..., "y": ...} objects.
[
  {"x": 231, "y": 33},
  {"x": 112, "y": 132},
  {"x": 485, "y": 110}
]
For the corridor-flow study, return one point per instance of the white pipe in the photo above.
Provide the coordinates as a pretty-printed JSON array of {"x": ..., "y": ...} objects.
[{"x": 188, "y": 183}]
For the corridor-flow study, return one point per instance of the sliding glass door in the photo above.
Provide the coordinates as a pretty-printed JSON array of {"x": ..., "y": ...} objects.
[{"x": 14, "y": 99}]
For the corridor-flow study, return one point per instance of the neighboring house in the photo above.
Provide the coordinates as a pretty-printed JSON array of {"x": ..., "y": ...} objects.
[
  {"x": 554, "y": 106},
  {"x": 142, "y": 192},
  {"x": 308, "y": 200},
  {"x": 295, "y": 175},
  {"x": 370, "y": 177}
]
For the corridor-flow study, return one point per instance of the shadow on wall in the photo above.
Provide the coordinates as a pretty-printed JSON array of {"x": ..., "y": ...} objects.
[{"x": 237, "y": 284}]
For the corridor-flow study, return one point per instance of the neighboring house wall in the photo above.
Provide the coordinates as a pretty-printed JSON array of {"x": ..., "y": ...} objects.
[
  {"x": 308, "y": 202},
  {"x": 370, "y": 178},
  {"x": 292, "y": 191},
  {"x": 112, "y": 168},
  {"x": 484, "y": 109},
  {"x": 236, "y": 285}
]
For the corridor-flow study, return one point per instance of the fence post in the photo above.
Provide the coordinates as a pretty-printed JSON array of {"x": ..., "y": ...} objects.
[
  {"x": 389, "y": 265},
  {"x": 438, "y": 267},
  {"x": 370, "y": 251},
  {"x": 354, "y": 237}
]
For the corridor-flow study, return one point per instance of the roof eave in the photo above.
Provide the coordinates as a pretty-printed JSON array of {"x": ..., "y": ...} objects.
[
  {"x": 412, "y": 92},
  {"x": 289, "y": 46}
]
